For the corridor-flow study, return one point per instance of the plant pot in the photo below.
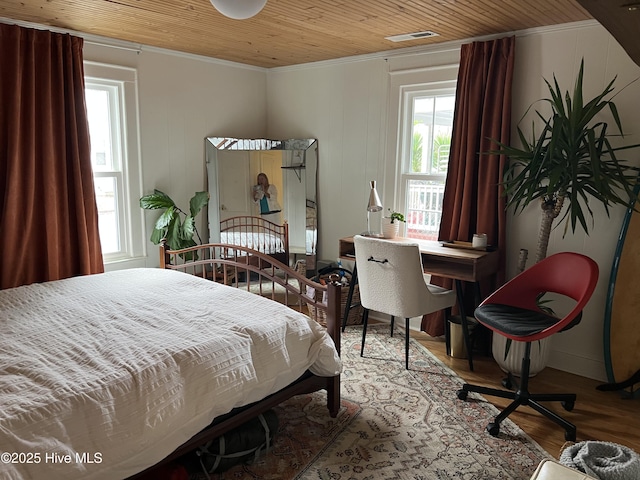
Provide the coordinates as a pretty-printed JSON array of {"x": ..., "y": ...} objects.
[
  {"x": 390, "y": 230},
  {"x": 540, "y": 350}
]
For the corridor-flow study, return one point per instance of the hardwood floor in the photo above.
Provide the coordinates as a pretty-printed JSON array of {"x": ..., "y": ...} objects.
[{"x": 602, "y": 416}]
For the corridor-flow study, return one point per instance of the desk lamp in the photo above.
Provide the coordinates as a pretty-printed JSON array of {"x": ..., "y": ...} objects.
[{"x": 374, "y": 205}]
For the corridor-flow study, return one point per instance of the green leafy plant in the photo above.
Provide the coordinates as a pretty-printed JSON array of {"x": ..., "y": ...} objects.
[
  {"x": 571, "y": 160},
  {"x": 416, "y": 151},
  {"x": 395, "y": 216},
  {"x": 170, "y": 225}
]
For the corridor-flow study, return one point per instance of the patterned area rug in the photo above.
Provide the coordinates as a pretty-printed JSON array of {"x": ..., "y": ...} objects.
[{"x": 394, "y": 424}]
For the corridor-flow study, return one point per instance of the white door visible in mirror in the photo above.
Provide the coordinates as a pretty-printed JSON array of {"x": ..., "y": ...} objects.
[{"x": 235, "y": 191}]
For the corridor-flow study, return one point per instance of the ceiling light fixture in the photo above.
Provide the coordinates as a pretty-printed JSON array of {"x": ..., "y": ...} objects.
[
  {"x": 239, "y": 9},
  {"x": 412, "y": 36}
]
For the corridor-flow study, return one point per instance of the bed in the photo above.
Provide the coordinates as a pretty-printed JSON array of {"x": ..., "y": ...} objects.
[
  {"x": 258, "y": 234},
  {"x": 106, "y": 376}
]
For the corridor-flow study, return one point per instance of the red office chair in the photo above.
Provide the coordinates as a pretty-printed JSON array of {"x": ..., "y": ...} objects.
[{"x": 513, "y": 311}]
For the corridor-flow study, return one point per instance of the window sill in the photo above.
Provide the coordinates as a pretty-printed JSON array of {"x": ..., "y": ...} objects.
[{"x": 124, "y": 263}]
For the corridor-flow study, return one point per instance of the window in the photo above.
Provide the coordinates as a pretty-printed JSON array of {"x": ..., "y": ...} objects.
[
  {"x": 110, "y": 94},
  {"x": 106, "y": 160},
  {"x": 427, "y": 123}
]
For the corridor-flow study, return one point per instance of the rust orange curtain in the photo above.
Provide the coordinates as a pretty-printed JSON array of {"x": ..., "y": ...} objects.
[
  {"x": 48, "y": 213},
  {"x": 473, "y": 198}
]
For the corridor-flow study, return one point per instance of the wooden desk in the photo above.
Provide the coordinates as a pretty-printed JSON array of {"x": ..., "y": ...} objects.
[
  {"x": 460, "y": 265},
  {"x": 454, "y": 263}
]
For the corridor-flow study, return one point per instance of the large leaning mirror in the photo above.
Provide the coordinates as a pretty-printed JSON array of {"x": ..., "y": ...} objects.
[{"x": 233, "y": 166}]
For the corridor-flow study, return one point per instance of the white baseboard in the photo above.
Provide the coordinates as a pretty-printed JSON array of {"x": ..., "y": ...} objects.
[{"x": 585, "y": 367}]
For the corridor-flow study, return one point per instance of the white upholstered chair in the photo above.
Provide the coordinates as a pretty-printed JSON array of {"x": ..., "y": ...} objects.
[
  {"x": 553, "y": 470},
  {"x": 392, "y": 281}
]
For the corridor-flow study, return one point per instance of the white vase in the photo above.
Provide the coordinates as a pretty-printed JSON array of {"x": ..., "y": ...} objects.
[
  {"x": 540, "y": 350},
  {"x": 390, "y": 230}
]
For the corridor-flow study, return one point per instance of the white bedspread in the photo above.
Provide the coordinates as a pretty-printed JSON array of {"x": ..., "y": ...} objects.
[{"x": 112, "y": 372}]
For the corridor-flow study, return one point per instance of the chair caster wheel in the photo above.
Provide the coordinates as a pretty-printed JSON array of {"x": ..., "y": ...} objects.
[
  {"x": 568, "y": 406},
  {"x": 570, "y": 436},
  {"x": 462, "y": 394},
  {"x": 493, "y": 429},
  {"x": 506, "y": 383}
]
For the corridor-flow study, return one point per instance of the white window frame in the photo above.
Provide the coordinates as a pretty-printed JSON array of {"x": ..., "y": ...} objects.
[
  {"x": 121, "y": 82},
  {"x": 436, "y": 75},
  {"x": 404, "y": 174}
]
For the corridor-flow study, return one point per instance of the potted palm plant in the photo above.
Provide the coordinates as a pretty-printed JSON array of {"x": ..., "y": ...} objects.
[{"x": 570, "y": 163}]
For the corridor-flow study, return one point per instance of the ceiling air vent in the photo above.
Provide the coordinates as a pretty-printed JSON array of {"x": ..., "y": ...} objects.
[{"x": 412, "y": 36}]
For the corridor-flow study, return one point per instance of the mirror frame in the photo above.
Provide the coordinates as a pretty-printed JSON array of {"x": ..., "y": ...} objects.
[{"x": 309, "y": 167}]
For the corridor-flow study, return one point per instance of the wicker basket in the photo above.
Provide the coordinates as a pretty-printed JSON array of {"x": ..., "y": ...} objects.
[
  {"x": 300, "y": 267},
  {"x": 355, "y": 313}
]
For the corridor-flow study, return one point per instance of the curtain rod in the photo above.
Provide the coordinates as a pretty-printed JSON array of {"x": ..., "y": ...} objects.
[
  {"x": 132, "y": 48},
  {"x": 87, "y": 37}
]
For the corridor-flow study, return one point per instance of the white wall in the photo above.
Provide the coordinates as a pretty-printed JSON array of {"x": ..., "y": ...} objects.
[
  {"x": 347, "y": 106},
  {"x": 343, "y": 105}
]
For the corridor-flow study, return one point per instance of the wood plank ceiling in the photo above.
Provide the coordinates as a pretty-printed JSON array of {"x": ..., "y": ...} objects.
[{"x": 290, "y": 32}]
